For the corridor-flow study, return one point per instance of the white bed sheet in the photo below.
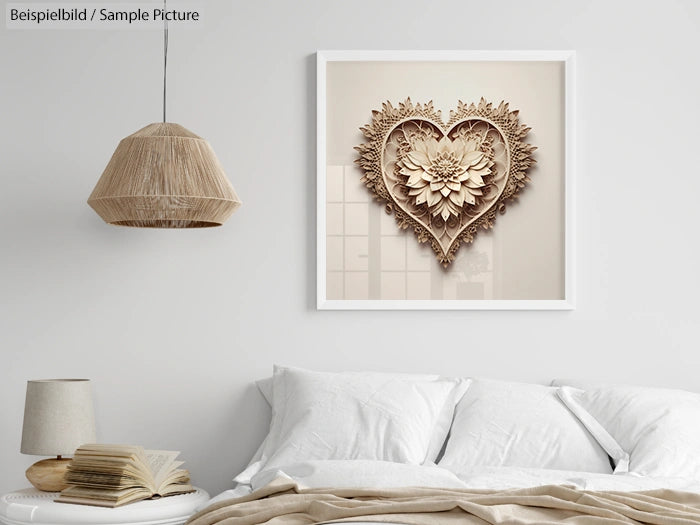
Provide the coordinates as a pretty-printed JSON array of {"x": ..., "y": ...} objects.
[{"x": 383, "y": 474}]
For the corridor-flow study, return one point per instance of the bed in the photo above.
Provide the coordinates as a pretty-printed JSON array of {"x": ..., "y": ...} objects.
[{"x": 423, "y": 449}]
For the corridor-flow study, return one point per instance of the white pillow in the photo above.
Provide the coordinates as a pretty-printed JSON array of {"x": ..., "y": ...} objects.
[
  {"x": 658, "y": 429},
  {"x": 503, "y": 424},
  {"x": 358, "y": 415}
]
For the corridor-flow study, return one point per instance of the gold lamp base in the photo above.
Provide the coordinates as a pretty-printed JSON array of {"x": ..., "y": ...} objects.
[{"x": 48, "y": 474}]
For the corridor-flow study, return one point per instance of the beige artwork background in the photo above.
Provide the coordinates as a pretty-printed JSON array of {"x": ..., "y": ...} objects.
[{"x": 368, "y": 257}]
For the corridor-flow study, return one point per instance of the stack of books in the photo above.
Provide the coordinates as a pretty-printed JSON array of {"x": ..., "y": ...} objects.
[{"x": 114, "y": 475}]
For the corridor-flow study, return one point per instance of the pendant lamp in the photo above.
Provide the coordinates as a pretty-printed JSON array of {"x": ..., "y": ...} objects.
[{"x": 164, "y": 176}]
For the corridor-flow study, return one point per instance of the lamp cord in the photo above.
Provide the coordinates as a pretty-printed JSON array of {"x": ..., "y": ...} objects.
[{"x": 165, "y": 55}]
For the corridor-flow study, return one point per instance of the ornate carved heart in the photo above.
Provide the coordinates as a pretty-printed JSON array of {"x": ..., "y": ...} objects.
[{"x": 445, "y": 180}]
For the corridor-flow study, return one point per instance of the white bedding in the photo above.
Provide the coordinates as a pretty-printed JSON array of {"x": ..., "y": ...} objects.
[
  {"x": 350, "y": 473},
  {"x": 383, "y": 474},
  {"x": 501, "y": 434}
]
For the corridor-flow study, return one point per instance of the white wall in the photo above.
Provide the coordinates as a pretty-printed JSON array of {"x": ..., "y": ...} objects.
[{"x": 173, "y": 326}]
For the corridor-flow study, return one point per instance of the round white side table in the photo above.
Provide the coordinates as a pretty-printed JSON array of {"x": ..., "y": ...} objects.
[{"x": 35, "y": 507}]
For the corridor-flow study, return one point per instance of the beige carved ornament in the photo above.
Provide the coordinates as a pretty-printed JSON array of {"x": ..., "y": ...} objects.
[{"x": 445, "y": 180}]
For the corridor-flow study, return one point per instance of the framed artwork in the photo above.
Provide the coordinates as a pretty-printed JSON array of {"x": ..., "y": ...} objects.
[{"x": 445, "y": 180}]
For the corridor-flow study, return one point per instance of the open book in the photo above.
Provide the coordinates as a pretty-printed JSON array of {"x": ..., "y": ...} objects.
[{"x": 113, "y": 475}]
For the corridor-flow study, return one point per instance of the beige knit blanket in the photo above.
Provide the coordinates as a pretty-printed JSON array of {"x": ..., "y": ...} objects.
[{"x": 284, "y": 503}]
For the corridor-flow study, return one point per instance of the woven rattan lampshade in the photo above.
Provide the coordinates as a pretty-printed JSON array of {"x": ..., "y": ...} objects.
[{"x": 164, "y": 176}]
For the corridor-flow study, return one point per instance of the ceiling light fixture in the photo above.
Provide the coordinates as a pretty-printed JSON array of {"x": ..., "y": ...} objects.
[{"x": 164, "y": 176}]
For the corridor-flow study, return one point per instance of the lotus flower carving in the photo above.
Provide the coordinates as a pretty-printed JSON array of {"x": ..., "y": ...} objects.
[{"x": 446, "y": 174}]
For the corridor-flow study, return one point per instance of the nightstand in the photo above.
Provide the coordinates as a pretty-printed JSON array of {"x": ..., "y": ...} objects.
[{"x": 35, "y": 507}]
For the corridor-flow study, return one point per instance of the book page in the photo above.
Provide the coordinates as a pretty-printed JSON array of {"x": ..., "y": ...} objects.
[
  {"x": 160, "y": 462},
  {"x": 108, "y": 450}
]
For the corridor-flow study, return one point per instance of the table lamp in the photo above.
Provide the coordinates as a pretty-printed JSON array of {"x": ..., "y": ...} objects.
[{"x": 58, "y": 418}]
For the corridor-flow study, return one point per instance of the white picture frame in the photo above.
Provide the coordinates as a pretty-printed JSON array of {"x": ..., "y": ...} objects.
[{"x": 567, "y": 59}]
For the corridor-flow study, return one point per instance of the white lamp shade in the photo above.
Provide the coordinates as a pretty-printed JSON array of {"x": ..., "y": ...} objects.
[{"x": 58, "y": 417}]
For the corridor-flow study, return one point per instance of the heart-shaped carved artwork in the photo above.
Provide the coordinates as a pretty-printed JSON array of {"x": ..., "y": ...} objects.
[{"x": 445, "y": 180}]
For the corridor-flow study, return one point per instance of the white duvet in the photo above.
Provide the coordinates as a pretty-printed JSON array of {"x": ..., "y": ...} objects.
[{"x": 383, "y": 474}]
